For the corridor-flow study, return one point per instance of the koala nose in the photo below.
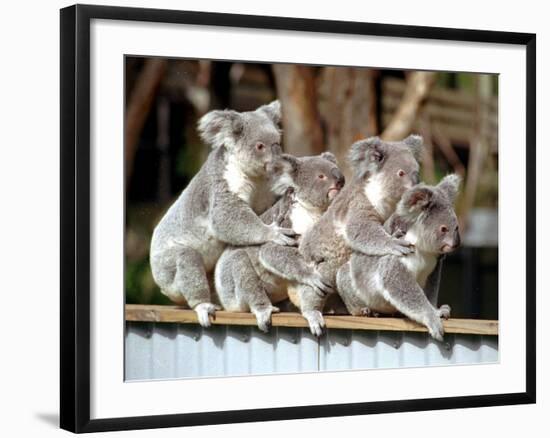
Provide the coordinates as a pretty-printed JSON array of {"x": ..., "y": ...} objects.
[
  {"x": 276, "y": 149},
  {"x": 339, "y": 176},
  {"x": 456, "y": 239}
]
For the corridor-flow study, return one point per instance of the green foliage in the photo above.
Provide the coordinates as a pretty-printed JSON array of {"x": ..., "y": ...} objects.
[
  {"x": 140, "y": 286},
  {"x": 188, "y": 161},
  {"x": 465, "y": 81},
  {"x": 445, "y": 80}
]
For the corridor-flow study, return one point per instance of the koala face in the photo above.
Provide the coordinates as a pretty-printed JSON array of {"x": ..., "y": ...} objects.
[
  {"x": 392, "y": 167},
  {"x": 436, "y": 226},
  {"x": 318, "y": 180},
  {"x": 400, "y": 172},
  {"x": 259, "y": 142},
  {"x": 252, "y": 138}
]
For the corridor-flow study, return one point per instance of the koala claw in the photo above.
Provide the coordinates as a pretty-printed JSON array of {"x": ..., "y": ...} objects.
[
  {"x": 204, "y": 310},
  {"x": 445, "y": 311},
  {"x": 320, "y": 287},
  {"x": 284, "y": 236},
  {"x": 367, "y": 311},
  {"x": 316, "y": 322},
  {"x": 436, "y": 329},
  {"x": 402, "y": 247},
  {"x": 263, "y": 317}
]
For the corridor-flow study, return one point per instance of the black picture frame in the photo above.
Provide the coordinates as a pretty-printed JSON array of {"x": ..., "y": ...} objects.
[{"x": 75, "y": 217}]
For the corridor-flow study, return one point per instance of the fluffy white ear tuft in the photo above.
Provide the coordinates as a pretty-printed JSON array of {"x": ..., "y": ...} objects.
[
  {"x": 416, "y": 199},
  {"x": 450, "y": 185},
  {"x": 282, "y": 172},
  {"x": 273, "y": 111},
  {"x": 367, "y": 155},
  {"x": 220, "y": 127},
  {"x": 416, "y": 143},
  {"x": 330, "y": 157}
]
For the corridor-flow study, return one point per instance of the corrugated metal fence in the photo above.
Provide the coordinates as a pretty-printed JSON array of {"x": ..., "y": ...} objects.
[{"x": 169, "y": 350}]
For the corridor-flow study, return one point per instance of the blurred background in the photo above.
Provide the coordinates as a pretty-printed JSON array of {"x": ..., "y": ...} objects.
[{"x": 324, "y": 108}]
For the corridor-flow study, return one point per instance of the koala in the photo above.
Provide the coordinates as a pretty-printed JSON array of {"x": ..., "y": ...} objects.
[
  {"x": 382, "y": 172},
  {"x": 243, "y": 276},
  {"x": 220, "y": 206},
  {"x": 408, "y": 284}
]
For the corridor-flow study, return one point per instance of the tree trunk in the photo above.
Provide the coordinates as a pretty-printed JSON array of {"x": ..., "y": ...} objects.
[
  {"x": 348, "y": 108},
  {"x": 479, "y": 147},
  {"x": 139, "y": 105},
  {"x": 297, "y": 92}
]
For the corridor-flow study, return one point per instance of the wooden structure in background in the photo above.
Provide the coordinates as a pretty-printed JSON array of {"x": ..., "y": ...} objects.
[{"x": 452, "y": 113}]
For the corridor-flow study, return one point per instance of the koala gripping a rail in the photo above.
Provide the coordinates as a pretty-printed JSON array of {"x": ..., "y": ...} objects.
[{"x": 175, "y": 314}]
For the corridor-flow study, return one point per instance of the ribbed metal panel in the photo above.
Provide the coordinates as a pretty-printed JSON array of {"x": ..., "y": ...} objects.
[{"x": 163, "y": 350}]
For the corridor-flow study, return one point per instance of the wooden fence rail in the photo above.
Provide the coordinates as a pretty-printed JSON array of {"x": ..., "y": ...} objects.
[{"x": 174, "y": 314}]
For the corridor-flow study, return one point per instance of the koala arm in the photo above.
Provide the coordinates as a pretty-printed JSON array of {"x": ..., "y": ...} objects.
[
  {"x": 234, "y": 222},
  {"x": 396, "y": 225},
  {"x": 279, "y": 212},
  {"x": 431, "y": 289},
  {"x": 288, "y": 263},
  {"x": 367, "y": 236}
]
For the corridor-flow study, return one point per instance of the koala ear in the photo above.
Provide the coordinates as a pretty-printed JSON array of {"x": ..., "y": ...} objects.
[
  {"x": 221, "y": 127},
  {"x": 367, "y": 155},
  {"x": 282, "y": 172},
  {"x": 416, "y": 143},
  {"x": 290, "y": 163},
  {"x": 416, "y": 199},
  {"x": 330, "y": 157},
  {"x": 285, "y": 164},
  {"x": 273, "y": 111},
  {"x": 450, "y": 186}
]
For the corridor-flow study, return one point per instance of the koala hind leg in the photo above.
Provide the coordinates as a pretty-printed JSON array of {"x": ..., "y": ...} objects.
[
  {"x": 402, "y": 291},
  {"x": 346, "y": 290},
  {"x": 311, "y": 306},
  {"x": 191, "y": 282},
  {"x": 250, "y": 289}
]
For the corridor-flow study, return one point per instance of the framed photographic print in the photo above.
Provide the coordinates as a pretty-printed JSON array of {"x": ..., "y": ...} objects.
[{"x": 306, "y": 218}]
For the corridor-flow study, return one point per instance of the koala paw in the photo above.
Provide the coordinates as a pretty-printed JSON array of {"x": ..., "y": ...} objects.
[
  {"x": 435, "y": 327},
  {"x": 445, "y": 311},
  {"x": 321, "y": 287},
  {"x": 204, "y": 310},
  {"x": 367, "y": 311},
  {"x": 283, "y": 236},
  {"x": 263, "y": 317},
  {"x": 316, "y": 322},
  {"x": 401, "y": 247}
]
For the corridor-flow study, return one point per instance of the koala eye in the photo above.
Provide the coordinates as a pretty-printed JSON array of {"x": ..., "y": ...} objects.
[
  {"x": 322, "y": 176},
  {"x": 401, "y": 172},
  {"x": 260, "y": 146},
  {"x": 443, "y": 229}
]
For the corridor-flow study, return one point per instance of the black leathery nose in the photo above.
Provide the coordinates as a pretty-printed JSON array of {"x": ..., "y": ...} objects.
[
  {"x": 456, "y": 239},
  {"x": 339, "y": 176}
]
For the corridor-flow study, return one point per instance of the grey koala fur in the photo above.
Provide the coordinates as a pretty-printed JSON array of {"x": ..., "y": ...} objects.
[
  {"x": 408, "y": 284},
  {"x": 243, "y": 275},
  {"x": 382, "y": 171},
  {"x": 219, "y": 206}
]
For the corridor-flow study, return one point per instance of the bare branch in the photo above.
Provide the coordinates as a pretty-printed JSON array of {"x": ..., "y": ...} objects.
[{"x": 418, "y": 86}]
